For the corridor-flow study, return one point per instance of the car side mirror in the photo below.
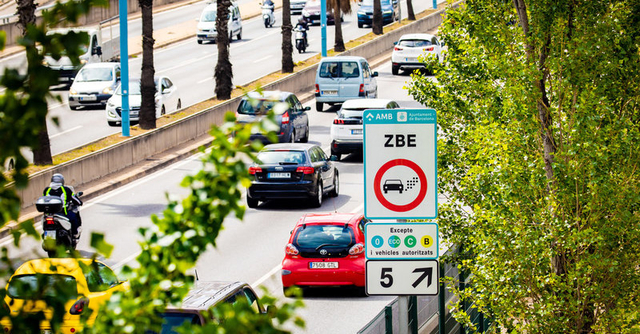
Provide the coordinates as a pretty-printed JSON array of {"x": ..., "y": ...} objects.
[
  {"x": 395, "y": 43},
  {"x": 375, "y": 74},
  {"x": 97, "y": 50},
  {"x": 334, "y": 158},
  {"x": 307, "y": 108},
  {"x": 271, "y": 311},
  {"x": 80, "y": 193}
]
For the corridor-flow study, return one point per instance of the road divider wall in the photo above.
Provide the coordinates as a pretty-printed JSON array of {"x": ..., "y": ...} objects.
[{"x": 105, "y": 162}]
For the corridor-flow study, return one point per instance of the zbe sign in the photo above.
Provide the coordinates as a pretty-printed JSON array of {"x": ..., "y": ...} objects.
[{"x": 400, "y": 165}]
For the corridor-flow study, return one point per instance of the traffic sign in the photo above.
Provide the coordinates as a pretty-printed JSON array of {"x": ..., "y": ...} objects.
[
  {"x": 415, "y": 277},
  {"x": 400, "y": 164},
  {"x": 401, "y": 241}
]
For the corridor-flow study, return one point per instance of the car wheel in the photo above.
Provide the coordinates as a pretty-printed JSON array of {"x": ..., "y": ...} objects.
[
  {"x": 163, "y": 110},
  {"x": 317, "y": 201},
  {"x": 239, "y": 37},
  {"x": 179, "y": 106},
  {"x": 199, "y": 42},
  {"x": 338, "y": 155},
  {"x": 360, "y": 25},
  {"x": 336, "y": 185},
  {"x": 112, "y": 123},
  {"x": 288, "y": 291},
  {"x": 51, "y": 254},
  {"x": 395, "y": 69},
  {"x": 252, "y": 203},
  {"x": 319, "y": 106},
  {"x": 305, "y": 139}
]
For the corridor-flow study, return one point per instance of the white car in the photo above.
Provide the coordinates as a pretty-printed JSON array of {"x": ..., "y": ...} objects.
[
  {"x": 409, "y": 47},
  {"x": 167, "y": 100},
  {"x": 207, "y": 23},
  {"x": 346, "y": 130},
  {"x": 94, "y": 85}
]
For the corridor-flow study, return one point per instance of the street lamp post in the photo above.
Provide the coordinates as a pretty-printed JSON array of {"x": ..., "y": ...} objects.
[
  {"x": 323, "y": 26},
  {"x": 124, "y": 68}
]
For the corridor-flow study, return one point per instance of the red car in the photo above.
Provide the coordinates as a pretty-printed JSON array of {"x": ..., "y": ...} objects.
[{"x": 325, "y": 250}]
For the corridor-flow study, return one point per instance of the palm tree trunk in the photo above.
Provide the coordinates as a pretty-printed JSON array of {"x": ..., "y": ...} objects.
[
  {"x": 339, "y": 40},
  {"x": 411, "y": 14},
  {"x": 223, "y": 73},
  {"x": 147, "y": 85},
  {"x": 376, "y": 23},
  {"x": 287, "y": 48}
]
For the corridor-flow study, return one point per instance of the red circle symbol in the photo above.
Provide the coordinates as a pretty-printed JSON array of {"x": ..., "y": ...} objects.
[{"x": 377, "y": 181}]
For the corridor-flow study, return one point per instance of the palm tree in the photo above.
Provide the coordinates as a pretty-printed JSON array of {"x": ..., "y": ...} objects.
[
  {"x": 411, "y": 14},
  {"x": 26, "y": 11},
  {"x": 338, "y": 7},
  {"x": 287, "y": 48},
  {"x": 223, "y": 72},
  {"x": 147, "y": 85},
  {"x": 376, "y": 23}
]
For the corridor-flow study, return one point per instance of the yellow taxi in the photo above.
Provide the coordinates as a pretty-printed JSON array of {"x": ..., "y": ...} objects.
[{"x": 85, "y": 284}]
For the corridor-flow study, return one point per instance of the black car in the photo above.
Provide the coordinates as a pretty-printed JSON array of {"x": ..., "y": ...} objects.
[
  {"x": 292, "y": 171},
  {"x": 289, "y": 112}
]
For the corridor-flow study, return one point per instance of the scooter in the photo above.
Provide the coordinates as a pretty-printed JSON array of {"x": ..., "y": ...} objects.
[
  {"x": 56, "y": 227},
  {"x": 301, "y": 43},
  {"x": 267, "y": 15}
]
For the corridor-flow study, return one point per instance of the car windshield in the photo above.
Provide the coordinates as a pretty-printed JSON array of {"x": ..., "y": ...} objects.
[
  {"x": 94, "y": 74},
  {"x": 370, "y": 2},
  {"x": 172, "y": 321},
  {"x": 36, "y": 286},
  {"x": 261, "y": 107},
  {"x": 276, "y": 157},
  {"x": 393, "y": 182},
  {"x": 208, "y": 16},
  {"x": 414, "y": 43},
  {"x": 134, "y": 87},
  {"x": 313, "y": 236},
  {"x": 339, "y": 69}
]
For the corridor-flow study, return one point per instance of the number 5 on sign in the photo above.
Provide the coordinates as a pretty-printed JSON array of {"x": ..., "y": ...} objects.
[{"x": 397, "y": 277}]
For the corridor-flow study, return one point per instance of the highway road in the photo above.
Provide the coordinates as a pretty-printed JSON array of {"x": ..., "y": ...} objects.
[
  {"x": 191, "y": 67},
  {"x": 249, "y": 250}
]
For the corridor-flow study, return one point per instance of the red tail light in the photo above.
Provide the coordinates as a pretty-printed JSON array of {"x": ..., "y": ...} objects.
[
  {"x": 429, "y": 48},
  {"x": 356, "y": 249},
  {"x": 317, "y": 89},
  {"x": 254, "y": 170},
  {"x": 79, "y": 306},
  {"x": 361, "y": 91},
  {"x": 397, "y": 48},
  {"x": 338, "y": 121},
  {"x": 291, "y": 250},
  {"x": 50, "y": 221},
  {"x": 285, "y": 118},
  {"x": 305, "y": 170}
]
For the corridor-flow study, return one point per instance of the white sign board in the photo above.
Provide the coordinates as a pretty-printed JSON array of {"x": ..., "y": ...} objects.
[
  {"x": 411, "y": 241},
  {"x": 400, "y": 165},
  {"x": 402, "y": 277}
]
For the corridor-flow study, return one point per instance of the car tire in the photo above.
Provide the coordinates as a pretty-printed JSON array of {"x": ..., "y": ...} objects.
[
  {"x": 305, "y": 139},
  {"x": 287, "y": 291},
  {"x": 163, "y": 110},
  {"x": 230, "y": 37},
  {"x": 239, "y": 37},
  {"x": 199, "y": 42},
  {"x": 338, "y": 155},
  {"x": 252, "y": 203},
  {"x": 112, "y": 123},
  {"x": 179, "y": 106},
  {"x": 395, "y": 69},
  {"x": 52, "y": 254},
  {"x": 319, "y": 106},
  {"x": 317, "y": 200},
  {"x": 360, "y": 25},
  {"x": 336, "y": 185}
]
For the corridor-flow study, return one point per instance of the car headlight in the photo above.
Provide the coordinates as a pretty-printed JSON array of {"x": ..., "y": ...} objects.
[
  {"x": 108, "y": 90},
  {"x": 111, "y": 113},
  {"x": 45, "y": 62},
  {"x": 387, "y": 12},
  {"x": 73, "y": 92},
  {"x": 83, "y": 61},
  {"x": 362, "y": 12}
]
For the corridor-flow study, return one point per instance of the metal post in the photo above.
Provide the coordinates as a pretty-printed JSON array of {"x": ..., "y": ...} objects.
[
  {"x": 441, "y": 303},
  {"x": 403, "y": 314},
  {"x": 323, "y": 25},
  {"x": 399, "y": 11},
  {"x": 413, "y": 314},
  {"x": 124, "y": 68},
  {"x": 388, "y": 319},
  {"x": 435, "y": 4},
  {"x": 461, "y": 286}
]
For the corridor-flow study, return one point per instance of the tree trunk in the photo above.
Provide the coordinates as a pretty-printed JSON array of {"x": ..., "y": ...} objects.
[
  {"x": 223, "y": 72},
  {"x": 339, "y": 40},
  {"x": 147, "y": 85},
  {"x": 376, "y": 23},
  {"x": 411, "y": 15},
  {"x": 287, "y": 47},
  {"x": 26, "y": 10}
]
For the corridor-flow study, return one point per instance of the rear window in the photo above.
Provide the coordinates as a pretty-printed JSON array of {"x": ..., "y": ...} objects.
[
  {"x": 34, "y": 286},
  {"x": 414, "y": 43},
  {"x": 339, "y": 69},
  {"x": 261, "y": 107},
  {"x": 276, "y": 157},
  {"x": 175, "y": 320},
  {"x": 352, "y": 113},
  {"x": 327, "y": 235}
]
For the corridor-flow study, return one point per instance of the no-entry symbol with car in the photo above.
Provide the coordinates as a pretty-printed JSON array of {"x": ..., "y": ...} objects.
[{"x": 400, "y": 164}]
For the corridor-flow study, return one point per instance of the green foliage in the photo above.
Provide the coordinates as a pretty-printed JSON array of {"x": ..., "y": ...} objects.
[{"x": 548, "y": 252}]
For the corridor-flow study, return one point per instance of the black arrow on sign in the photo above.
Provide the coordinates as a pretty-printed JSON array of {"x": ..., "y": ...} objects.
[{"x": 426, "y": 272}]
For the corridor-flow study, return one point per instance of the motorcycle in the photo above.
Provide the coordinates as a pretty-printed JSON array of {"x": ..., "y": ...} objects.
[
  {"x": 301, "y": 43},
  {"x": 267, "y": 15},
  {"x": 57, "y": 229}
]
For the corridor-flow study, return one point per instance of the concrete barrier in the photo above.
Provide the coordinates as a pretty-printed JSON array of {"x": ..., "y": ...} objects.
[{"x": 102, "y": 163}]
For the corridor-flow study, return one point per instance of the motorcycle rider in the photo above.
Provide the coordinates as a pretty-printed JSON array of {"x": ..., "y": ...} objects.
[
  {"x": 269, "y": 3},
  {"x": 70, "y": 201},
  {"x": 305, "y": 27}
]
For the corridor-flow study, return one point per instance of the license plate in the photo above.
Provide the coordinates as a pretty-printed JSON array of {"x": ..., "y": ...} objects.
[
  {"x": 323, "y": 265},
  {"x": 329, "y": 92},
  {"x": 50, "y": 234},
  {"x": 410, "y": 59},
  {"x": 279, "y": 175},
  {"x": 356, "y": 131},
  {"x": 88, "y": 98}
]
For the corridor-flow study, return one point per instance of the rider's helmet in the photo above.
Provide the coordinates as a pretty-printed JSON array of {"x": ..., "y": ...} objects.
[
  {"x": 57, "y": 178},
  {"x": 301, "y": 20}
]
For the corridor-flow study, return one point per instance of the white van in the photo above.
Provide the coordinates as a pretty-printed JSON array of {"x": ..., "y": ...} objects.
[
  {"x": 343, "y": 78},
  {"x": 207, "y": 23}
]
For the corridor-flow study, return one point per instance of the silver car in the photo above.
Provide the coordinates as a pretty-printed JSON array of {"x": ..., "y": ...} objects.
[{"x": 94, "y": 85}]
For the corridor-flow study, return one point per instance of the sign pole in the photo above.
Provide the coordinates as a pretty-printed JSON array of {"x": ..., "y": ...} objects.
[
  {"x": 124, "y": 68},
  {"x": 403, "y": 314}
]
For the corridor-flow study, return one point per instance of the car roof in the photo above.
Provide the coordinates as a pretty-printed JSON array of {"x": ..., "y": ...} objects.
[
  {"x": 365, "y": 103},
  {"x": 206, "y": 294},
  {"x": 288, "y": 146},
  {"x": 268, "y": 94},
  {"x": 417, "y": 36},
  {"x": 342, "y": 58},
  {"x": 329, "y": 217},
  {"x": 65, "y": 266}
]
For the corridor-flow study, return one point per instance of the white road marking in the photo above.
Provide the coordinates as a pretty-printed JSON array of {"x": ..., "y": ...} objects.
[
  {"x": 66, "y": 131},
  {"x": 262, "y": 59},
  {"x": 205, "y": 80}
]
